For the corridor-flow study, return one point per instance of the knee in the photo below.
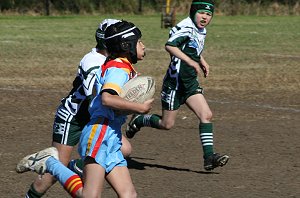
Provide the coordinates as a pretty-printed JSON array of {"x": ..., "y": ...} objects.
[
  {"x": 167, "y": 125},
  {"x": 126, "y": 147},
  {"x": 41, "y": 185},
  {"x": 129, "y": 193},
  {"x": 206, "y": 116},
  {"x": 88, "y": 194},
  {"x": 209, "y": 116},
  {"x": 133, "y": 194}
]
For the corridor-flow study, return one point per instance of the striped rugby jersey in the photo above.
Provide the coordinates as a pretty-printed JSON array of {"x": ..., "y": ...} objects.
[
  {"x": 190, "y": 40},
  {"x": 84, "y": 81},
  {"x": 112, "y": 76}
]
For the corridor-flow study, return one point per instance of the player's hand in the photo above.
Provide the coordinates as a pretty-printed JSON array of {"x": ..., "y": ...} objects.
[
  {"x": 140, "y": 108},
  {"x": 204, "y": 66},
  {"x": 196, "y": 66},
  {"x": 146, "y": 106},
  {"x": 205, "y": 69}
]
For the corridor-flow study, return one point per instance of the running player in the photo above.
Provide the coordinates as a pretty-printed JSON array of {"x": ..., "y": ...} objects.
[
  {"x": 180, "y": 84},
  {"x": 100, "y": 141},
  {"x": 72, "y": 114}
]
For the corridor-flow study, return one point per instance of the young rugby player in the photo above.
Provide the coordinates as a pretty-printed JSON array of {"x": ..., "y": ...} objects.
[
  {"x": 72, "y": 114},
  {"x": 180, "y": 84},
  {"x": 101, "y": 139}
]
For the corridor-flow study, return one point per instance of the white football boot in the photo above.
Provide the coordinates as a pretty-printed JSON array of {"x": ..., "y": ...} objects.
[{"x": 37, "y": 161}]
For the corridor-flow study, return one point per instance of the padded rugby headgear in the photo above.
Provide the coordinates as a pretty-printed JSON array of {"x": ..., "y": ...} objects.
[
  {"x": 201, "y": 5},
  {"x": 122, "y": 37},
  {"x": 99, "y": 35}
]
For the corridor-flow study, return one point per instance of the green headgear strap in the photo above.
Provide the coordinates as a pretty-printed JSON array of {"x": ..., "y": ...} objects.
[
  {"x": 204, "y": 6},
  {"x": 201, "y": 6}
]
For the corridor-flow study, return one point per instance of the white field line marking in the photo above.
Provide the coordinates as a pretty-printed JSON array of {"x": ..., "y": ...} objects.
[
  {"x": 265, "y": 54},
  {"x": 263, "y": 106},
  {"x": 281, "y": 55},
  {"x": 31, "y": 90}
]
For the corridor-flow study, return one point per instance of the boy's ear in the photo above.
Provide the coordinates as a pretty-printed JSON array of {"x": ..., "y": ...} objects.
[{"x": 124, "y": 46}]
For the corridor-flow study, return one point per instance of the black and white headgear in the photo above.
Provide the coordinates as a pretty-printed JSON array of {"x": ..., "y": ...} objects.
[
  {"x": 122, "y": 37},
  {"x": 99, "y": 35}
]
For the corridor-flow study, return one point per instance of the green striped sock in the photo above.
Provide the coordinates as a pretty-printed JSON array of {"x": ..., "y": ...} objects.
[
  {"x": 151, "y": 120},
  {"x": 206, "y": 137}
]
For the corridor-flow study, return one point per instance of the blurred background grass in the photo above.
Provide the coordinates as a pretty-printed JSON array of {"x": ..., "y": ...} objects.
[{"x": 250, "y": 56}]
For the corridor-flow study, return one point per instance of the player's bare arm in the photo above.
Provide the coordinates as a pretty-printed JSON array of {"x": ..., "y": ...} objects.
[
  {"x": 116, "y": 102},
  {"x": 175, "y": 51}
]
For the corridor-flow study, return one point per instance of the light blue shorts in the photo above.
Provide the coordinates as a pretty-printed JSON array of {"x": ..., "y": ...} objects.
[{"x": 101, "y": 139}]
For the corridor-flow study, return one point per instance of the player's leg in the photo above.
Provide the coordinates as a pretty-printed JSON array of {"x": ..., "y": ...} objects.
[
  {"x": 165, "y": 122},
  {"x": 168, "y": 119},
  {"x": 199, "y": 106},
  {"x": 138, "y": 121},
  {"x": 119, "y": 178},
  {"x": 93, "y": 177},
  {"x": 126, "y": 148},
  {"x": 66, "y": 133},
  {"x": 76, "y": 165},
  {"x": 42, "y": 184},
  {"x": 170, "y": 104},
  {"x": 47, "y": 161}
]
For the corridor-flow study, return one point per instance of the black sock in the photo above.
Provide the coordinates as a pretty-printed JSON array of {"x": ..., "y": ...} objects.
[{"x": 32, "y": 193}]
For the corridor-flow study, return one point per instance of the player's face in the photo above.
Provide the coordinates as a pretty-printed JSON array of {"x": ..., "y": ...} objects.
[
  {"x": 203, "y": 19},
  {"x": 140, "y": 50}
]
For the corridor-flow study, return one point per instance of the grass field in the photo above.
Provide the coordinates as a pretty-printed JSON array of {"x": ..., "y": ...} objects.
[
  {"x": 260, "y": 53},
  {"x": 253, "y": 90}
]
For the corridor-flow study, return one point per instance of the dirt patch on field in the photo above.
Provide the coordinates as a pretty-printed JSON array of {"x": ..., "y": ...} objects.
[
  {"x": 252, "y": 89},
  {"x": 262, "y": 140}
]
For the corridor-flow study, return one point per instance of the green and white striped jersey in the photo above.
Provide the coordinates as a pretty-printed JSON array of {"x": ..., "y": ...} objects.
[
  {"x": 84, "y": 82},
  {"x": 190, "y": 40}
]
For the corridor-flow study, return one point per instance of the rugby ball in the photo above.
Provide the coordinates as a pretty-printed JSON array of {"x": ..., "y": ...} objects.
[{"x": 138, "y": 89}]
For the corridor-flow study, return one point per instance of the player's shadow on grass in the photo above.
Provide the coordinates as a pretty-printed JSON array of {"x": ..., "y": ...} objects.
[{"x": 134, "y": 164}]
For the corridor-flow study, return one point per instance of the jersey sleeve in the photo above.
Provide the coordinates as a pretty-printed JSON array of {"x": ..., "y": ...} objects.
[
  {"x": 178, "y": 38},
  {"x": 88, "y": 79},
  {"x": 189, "y": 41},
  {"x": 114, "y": 80}
]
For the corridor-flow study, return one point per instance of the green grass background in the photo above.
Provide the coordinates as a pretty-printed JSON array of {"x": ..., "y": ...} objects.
[{"x": 250, "y": 56}]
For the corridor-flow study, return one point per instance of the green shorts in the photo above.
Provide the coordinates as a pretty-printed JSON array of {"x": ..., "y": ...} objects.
[
  {"x": 172, "y": 98},
  {"x": 67, "y": 128}
]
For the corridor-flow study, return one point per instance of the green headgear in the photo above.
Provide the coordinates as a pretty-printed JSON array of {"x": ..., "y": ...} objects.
[{"x": 201, "y": 5}]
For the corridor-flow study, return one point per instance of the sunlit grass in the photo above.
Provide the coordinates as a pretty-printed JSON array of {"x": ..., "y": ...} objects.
[{"x": 247, "y": 54}]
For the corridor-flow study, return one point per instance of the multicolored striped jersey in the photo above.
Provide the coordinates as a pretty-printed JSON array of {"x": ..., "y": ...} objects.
[{"x": 112, "y": 77}]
